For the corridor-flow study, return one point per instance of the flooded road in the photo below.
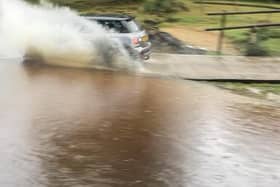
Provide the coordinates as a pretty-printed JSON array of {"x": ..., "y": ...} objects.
[{"x": 64, "y": 127}]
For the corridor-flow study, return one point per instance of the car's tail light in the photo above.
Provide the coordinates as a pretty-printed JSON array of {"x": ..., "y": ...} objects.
[{"x": 135, "y": 41}]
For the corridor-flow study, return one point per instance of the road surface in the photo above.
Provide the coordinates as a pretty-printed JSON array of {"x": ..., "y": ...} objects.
[{"x": 203, "y": 67}]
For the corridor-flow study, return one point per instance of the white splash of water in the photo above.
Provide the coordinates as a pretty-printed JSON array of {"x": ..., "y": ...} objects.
[{"x": 58, "y": 35}]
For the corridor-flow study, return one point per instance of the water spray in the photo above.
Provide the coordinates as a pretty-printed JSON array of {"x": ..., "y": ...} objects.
[{"x": 56, "y": 35}]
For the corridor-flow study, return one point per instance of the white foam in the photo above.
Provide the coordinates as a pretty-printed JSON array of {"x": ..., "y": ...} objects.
[{"x": 53, "y": 32}]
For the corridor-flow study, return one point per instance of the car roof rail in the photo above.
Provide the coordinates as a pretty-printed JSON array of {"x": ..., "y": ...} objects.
[{"x": 113, "y": 16}]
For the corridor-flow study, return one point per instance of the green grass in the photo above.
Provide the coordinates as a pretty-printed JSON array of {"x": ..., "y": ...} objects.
[
  {"x": 258, "y": 90},
  {"x": 196, "y": 18},
  {"x": 270, "y": 39},
  {"x": 264, "y": 87},
  {"x": 273, "y": 46}
]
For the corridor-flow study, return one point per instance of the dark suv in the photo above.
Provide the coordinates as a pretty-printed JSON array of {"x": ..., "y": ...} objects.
[{"x": 128, "y": 31}]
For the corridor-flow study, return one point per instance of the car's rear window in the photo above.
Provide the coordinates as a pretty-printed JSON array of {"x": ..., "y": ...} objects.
[
  {"x": 120, "y": 26},
  {"x": 132, "y": 26}
]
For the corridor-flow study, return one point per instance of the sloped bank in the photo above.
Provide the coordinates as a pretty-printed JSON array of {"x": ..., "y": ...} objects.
[{"x": 164, "y": 42}]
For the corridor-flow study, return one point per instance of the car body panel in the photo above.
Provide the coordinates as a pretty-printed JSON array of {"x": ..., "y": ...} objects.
[{"x": 128, "y": 31}]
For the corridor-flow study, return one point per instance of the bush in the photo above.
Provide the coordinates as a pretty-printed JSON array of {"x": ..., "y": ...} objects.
[
  {"x": 256, "y": 50},
  {"x": 32, "y": 1},
  {"x": 163, "y": 6}
]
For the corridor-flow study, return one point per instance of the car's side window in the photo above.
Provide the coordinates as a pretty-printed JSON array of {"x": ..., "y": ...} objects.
[{"x": 116, "y": 26}]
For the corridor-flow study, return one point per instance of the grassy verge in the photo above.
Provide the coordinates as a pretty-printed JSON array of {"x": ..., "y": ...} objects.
[
  {"x": 196, "y": 18},
  {"x": 261, "y": 90}
]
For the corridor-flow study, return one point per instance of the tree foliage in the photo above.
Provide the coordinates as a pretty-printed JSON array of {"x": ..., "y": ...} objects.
[
  {"x": 163, "y": 6},
  {"x": 32, "y": 1}
]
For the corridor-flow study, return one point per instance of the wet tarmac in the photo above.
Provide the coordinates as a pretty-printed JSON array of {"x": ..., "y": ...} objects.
[{"x": 62, "y": 127}]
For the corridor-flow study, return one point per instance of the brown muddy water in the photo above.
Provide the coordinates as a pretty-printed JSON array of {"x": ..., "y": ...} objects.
[{"x": 62, "y": 127}]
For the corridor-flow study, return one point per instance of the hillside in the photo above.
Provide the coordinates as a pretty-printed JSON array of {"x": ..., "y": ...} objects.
[{"x": 193, "y": 20}]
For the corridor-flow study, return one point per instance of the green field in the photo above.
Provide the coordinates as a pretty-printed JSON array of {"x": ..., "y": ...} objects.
[{"x": 195, "y": 17}]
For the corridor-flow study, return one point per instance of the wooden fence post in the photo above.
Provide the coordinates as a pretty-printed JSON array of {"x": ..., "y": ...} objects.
[
  {"x": 222, "y": 34},
  {"x": 253, "y": 36},
  {"x": 201, "y": 6}
]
